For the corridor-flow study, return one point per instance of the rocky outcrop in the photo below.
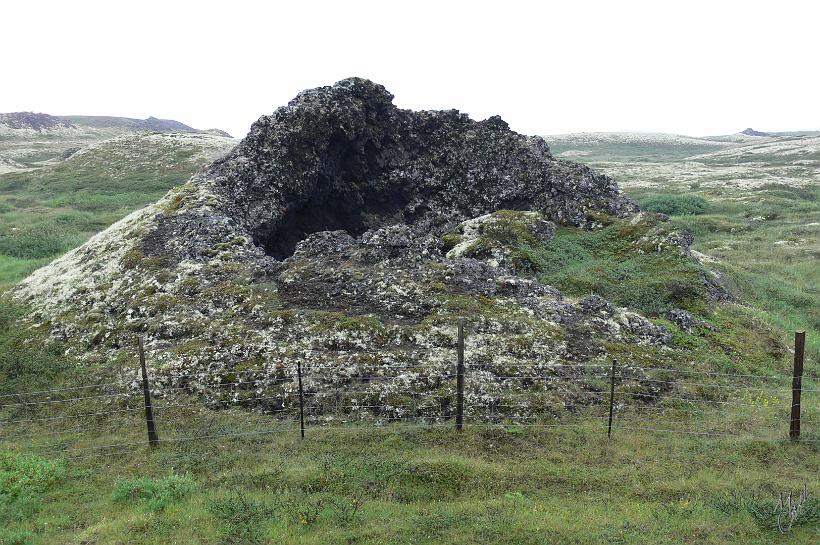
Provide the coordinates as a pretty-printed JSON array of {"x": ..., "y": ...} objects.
[
  {"x": 751, "y": 132},
  {"x": 344, "y": 157},
  {"x": 349, "y": 233}
]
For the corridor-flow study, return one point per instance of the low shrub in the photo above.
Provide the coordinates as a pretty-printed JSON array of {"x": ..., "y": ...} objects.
[
  {"x": 676, "y": 205},
  {"x": 769, "y": 513},
  {"x": 25, "y": 366},
  {"x": 155, "y": 494},
  {"x": 242, "y": 518},
  {"x": 38, "y": 241},
  {"x": 613, "y": 263},
  {"x": 23, "y": 481},
  {"x": 15, "y": 537}
]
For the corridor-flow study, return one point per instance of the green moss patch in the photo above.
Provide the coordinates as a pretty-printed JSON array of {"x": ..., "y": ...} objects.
[{"x": 627, "y": 263}]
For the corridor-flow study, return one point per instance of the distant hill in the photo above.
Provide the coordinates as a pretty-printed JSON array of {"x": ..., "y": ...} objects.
[
  {"x": 30, "y": 140},
  {"x": 631, "y": 146},
  {"x": 47, "y": 210},
  {"x": 32, "y": 121},
  {"x": 606, "y": 147},
  {"x": 41, "y": 122},
  {"x": 751, "y": 132}
]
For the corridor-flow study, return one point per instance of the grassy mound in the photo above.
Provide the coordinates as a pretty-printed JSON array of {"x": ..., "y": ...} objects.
[
  {"x": 766, "y": 241},
  {"x": 632, "y": 265},
  {"x": 46, "y": 212}
]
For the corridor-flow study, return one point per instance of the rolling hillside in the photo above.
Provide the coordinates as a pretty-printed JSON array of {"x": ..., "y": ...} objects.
[
  {"x": 33, "y": 140},
  {"x": 48, "y": 210},
  {"x": 704, "y": 466},
  {"x": 753, "y": 204}
]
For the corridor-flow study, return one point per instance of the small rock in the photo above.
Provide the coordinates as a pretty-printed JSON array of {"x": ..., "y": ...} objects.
[{"x": 595, "y": 304}]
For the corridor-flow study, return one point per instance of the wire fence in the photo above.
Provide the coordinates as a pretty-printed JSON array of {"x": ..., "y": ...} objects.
[{"x": 106, "y": 419}]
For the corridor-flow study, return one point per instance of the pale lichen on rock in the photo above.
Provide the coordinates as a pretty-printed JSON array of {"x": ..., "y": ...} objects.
[{"x": 349, "y": 234}]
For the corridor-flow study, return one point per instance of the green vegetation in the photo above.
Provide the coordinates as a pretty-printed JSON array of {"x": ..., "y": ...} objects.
[
  {"x": 415, "y": 485},
  {"x": 46, "y": 212},
  {"x": 767, "y": 242},
  {"x": 412, "y": 483},
  {"x": 24, "y": 480},
  {"x": 676, "y": 205},
  {"x": 155, "y": 494},
  {"x": 23, "y": 367},
  {"x": 622, "y": 263}
]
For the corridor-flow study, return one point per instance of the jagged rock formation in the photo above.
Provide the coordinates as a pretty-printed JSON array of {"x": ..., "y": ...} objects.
[
  {"x": 751, "y": 132},
  {"x": 347, "y": 233}
]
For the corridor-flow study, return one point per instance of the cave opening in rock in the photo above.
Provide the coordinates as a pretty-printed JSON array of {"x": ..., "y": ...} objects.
[{"x": 346, "y": 196}]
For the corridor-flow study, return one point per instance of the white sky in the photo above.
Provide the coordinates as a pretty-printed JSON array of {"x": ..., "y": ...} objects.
[{"x": 689, "y": 67}]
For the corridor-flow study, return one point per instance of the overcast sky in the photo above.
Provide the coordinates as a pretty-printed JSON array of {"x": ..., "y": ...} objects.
[{"x": 698, "y": 68}]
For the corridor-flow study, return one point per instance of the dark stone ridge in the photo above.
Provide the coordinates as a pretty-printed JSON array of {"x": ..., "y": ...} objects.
[
  {"x": 684, "y": 320},
  {"x": 31, "y": 120},
  {"x": 751, "y": 132},
  {"x": 345, "y": 158}
]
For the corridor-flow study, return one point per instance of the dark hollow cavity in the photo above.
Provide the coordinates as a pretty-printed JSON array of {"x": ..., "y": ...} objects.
[{"x": 346, "y": 196}]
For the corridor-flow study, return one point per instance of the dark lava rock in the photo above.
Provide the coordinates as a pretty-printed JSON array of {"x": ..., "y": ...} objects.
[
  {"x": 684, "y": 320},
  {"x": 595, "y": 304},
  {"x": 320, "y": 239},
  {"x": 681, "y": 318},
  {"x": 344, "y": 157}
]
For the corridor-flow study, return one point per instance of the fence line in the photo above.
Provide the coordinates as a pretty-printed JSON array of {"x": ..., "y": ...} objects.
[
  {"x": 534, "y": 364},
  {"x": 265, "y": 383},
  {"x": 92, "y": 452},
  {"x": 450, "y": 396}
]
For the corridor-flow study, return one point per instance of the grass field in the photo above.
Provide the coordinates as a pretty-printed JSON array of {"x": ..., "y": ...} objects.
[
  {"x": 760, "y": 217},
  {"x": 767, "y": 242},
  {"x": 408, "y": 485},
  {"x": 48, "y": 211},
  {"x": 667, "y": 476}
]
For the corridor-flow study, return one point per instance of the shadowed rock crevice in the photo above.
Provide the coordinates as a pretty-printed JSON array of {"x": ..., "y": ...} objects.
[
  {"x": 346, "y": 196},
  {"x": 346, "y": 158},
  {"x": 324, "y": 232}
]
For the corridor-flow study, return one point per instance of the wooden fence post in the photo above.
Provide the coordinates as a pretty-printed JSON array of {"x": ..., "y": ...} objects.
[
  {"x": 611, "y": 397},
  {"x": 797, "y": 384},
  {"x": 153, "y": 438},
  {"x": 460, "y": 377},
  {"x": 301, "y": 399}
]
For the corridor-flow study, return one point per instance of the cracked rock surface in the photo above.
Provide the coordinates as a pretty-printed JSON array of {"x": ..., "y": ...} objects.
[{"x": 348, "y": 234}]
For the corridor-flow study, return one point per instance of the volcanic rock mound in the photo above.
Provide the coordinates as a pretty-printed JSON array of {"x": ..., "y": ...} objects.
[{"x": 339, "y": 232}]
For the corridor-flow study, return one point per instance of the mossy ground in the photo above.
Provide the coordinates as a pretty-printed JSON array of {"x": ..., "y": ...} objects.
[
  {"x": 619, "y": 263},
  {"x": 44, "y": 213},
  {"x": 409, "y": 483},
  {"x": 767, "y": 242},
  {"x": 661, "y": 478}
]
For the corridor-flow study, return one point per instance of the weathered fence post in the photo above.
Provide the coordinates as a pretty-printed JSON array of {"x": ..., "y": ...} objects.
[
  {"x": 153, "y": 438},
  {"x": 611, "y": 397},
  {"x": 797, "y": 384},
  {"x": 460, "y": 377},
  {"x": 301, "y": 399}
]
